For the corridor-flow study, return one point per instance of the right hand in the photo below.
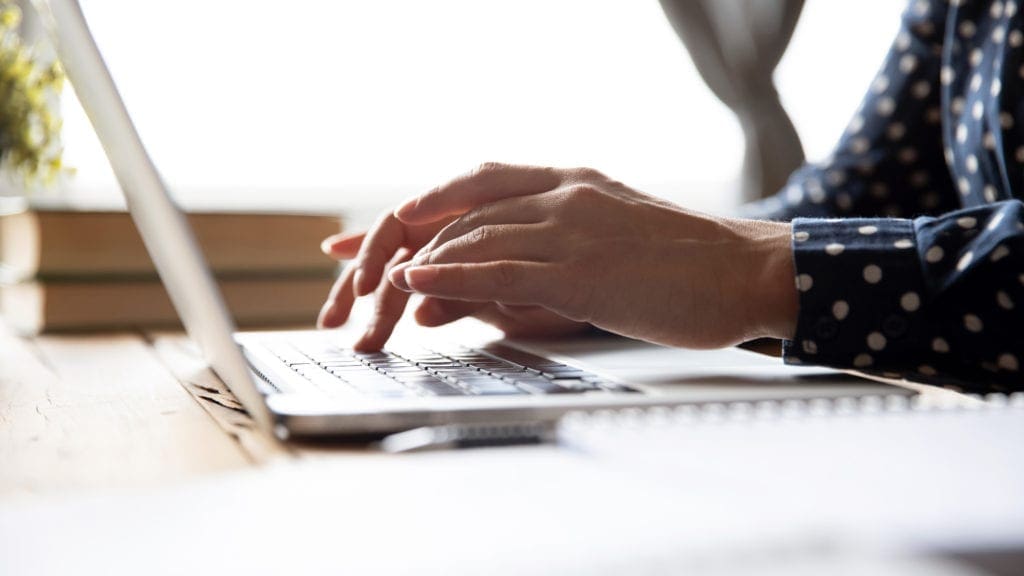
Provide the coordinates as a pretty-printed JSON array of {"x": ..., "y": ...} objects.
[{"x": 390, "y": 242}]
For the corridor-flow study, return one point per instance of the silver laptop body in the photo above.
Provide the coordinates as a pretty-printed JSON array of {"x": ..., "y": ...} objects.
[{"x": 299, "y": 383}]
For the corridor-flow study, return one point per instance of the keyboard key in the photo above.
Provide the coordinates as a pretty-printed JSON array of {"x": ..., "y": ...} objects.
[
  {"x": 438, "y": 388},
  {"x": 542, "y": 386}
]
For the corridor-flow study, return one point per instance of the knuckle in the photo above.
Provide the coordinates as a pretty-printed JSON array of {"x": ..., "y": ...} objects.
[
  {"x": 479, "y": 235},
  {"x": 586, "y": 174},
  {"x": 486, "y": 168},
  {"x": 505, "y": 275},
  {"x": 582, "y": 193}
]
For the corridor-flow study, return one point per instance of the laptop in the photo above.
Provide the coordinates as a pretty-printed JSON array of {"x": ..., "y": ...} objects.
[{"x": 307, "y": 383}]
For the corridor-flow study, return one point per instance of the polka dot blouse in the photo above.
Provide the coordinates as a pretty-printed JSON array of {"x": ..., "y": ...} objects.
[{"x": 909, "y": 240}]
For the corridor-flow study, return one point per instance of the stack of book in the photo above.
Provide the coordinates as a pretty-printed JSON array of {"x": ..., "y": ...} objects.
[{"x": 68, "y": 267}]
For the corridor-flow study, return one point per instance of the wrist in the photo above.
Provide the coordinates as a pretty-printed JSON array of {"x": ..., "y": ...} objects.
[{"x": 771, "y": 292}]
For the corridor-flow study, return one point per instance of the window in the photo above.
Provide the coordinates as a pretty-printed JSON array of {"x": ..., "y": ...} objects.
[{"x": 369, "y": 101}]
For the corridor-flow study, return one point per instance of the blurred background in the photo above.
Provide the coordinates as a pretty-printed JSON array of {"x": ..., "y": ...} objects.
[{"x": 356, "y": 104}]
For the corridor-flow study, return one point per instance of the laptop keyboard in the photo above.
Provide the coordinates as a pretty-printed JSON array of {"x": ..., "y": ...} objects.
[{"x": 494, "y": 370}]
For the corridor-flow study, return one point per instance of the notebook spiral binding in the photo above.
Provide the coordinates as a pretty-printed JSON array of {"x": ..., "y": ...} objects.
[{"x": 741, "y": 411}]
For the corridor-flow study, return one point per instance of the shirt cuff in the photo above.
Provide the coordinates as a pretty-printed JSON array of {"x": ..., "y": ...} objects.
[{"x": 861, "y": 291}]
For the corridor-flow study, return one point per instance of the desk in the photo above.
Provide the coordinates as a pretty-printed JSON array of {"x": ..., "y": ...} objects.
[{"x": 128, "y": 437}]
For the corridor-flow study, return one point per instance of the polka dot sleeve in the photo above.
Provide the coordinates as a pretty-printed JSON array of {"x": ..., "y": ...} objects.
[
  {"x": 933, "y": 299},
  {"x": 890, "y": 161}
]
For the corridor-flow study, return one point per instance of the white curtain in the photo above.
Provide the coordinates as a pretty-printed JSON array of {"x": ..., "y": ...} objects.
[{"x": 736, "y": 45}]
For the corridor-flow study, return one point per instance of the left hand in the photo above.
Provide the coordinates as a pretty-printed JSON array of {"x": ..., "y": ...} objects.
[{"x": 593, "y": 250}]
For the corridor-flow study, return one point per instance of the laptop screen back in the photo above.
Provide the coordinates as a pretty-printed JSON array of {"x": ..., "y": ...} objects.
[{"x": 162, "y": 225}]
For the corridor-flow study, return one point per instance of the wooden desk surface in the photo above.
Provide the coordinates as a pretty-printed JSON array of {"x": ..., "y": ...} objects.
[{"x": 88, "y": 411}]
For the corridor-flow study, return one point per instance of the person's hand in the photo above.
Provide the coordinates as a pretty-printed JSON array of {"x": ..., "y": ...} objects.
[
  {"x": 593, "y": 250},
  {"x": 389, "y": 242}
]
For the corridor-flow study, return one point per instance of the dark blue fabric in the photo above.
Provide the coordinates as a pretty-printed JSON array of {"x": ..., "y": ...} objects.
[{"x": 909, "y": 240}]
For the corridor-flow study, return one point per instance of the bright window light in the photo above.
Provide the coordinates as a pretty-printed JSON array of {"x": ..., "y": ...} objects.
[{"x": 371, "y": 100}]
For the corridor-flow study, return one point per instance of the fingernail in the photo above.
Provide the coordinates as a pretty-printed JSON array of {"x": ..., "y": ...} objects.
[
  {"x": 420, "y": 277},
  {"x": 397, "y": 277},
  {"x": 325, "y": 246}
]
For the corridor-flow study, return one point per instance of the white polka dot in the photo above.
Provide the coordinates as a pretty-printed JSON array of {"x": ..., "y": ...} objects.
[
  {"x": 994, "y": 221},
  {"x": 964, "y": 185},
  {"x": 934, "y": 254},
  {"x": 1004, "y": 301},
  {"x": 908, "y": 63},
  {"x": 872, "y": 274},
  {"x": 1016, "y": 39},
  {"x": 967, "y": 222},
  {"x": 989, "y": 141},
  {"x": 990, "y": 193},
  {"x": 903, "y": 243},
  {"x": 810, "y": 346},
  {"x": 978, "y": 110},
  {"x": 933, "y": 115},
  {"x": 947, "y": 75},
  {"x": 975, "y": 57},
  {"x": 910, "y": 301},
  {"x": 863, "y": 360},
  {"x": 856, "y": 123},
  {"x": 867, "y": 230},
  {"x": 957, "y": 105},
  {"x": 1008, "y": 362},
  {"x": 926, "y": 370},
  {"x": 859, "y": 145},
  {"x": 975, "y": 82},
  {"x": 907, "y": 155},
  {"x": 804, "y": 282},
  {"x": 919, "y": 179},
  {"x": 921, "y": 89},
  {"x": 967, "y": 29},
  {"x": 886, "y": 105},
  {"x": 999, "y": 34},
  {"x": 961, "y": 133},
  {"x": 996, "y": 88},
  {"x": 840, "y": 309},
  {"x": 940, "y": 345},
  {"x": 834, "y": 249},
  {"x": 896, "y": 130},
  {"x": 965, "y": 261},
  {"x": 1005, "y": 120},
  {"x": 880, "y": 84},
  {"x": 801, "y": 236},
  {"x": 995, "y": 9},
  {"x": 999, "y": 253},
  {"x": 835, "y": 177},
  {"x": 973, "y": 323},
  {"x": 876, "y": 341}
]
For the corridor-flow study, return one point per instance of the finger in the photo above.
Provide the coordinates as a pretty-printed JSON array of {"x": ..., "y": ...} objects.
[
  {"x": 520, "y": 210},
  {"x": 490, "y": 243},
  {"x": 390, "y": 303},
  {"x": 488, "y": 183},
  {"x": 436, "y": 312},
  {"x": 338, "y": 306},
  {"x": 342, "y": 245},
  {"x": 508, "y": 282},
  {"x": 380, "y": 245}
]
